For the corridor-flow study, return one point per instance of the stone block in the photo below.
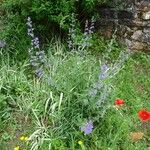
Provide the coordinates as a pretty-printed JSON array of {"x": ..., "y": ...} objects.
[
  {"x": 136, "y": 35},
  {"x": 140, "y": 46},
  {"x": 146, "y": 15},
  {"x": 141, "y": 23},
  {"x": 133, "y": 26}
]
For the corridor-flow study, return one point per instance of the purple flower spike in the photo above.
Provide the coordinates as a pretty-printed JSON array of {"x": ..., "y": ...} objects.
[
  {"x": 104, "y": 68},
  {"x": 39, "y": 73},
  {"x": 103, "y": 73},
  {"x": 87, "y": 128}
]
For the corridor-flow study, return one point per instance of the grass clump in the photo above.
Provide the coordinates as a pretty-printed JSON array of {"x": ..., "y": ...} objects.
[{"x": 52, "y": 115}]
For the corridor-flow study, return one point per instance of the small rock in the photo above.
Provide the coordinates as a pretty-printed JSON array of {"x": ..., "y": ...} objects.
[
  {"x": 143, "y": 6},
  {"x": 138, "y": 46},
  {"x": 141, "y": 23},
  {"x": 136, "y": 136},
  {"x": 146, "y": 15},
  {"x": 146, "y": 38},
  {"x": 146, "y": 30},
  {"x": 136, "y": 35}
]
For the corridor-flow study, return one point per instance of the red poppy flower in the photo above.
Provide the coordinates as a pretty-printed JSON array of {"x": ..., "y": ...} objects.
[
  {"x": 144, "y": 115},
  {"x": 119, "y": 102}
]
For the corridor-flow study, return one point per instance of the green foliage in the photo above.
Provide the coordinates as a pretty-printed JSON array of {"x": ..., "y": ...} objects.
[
  {"x": 56, "y": 113},
  {"x": 49, "y": 10},
  {"x": 108, "y": 49},
  {"x": 46, "y": 12},
  {"x": 4, "y": 110},
  {"x": 42, "y": 11},
  {"x": 49, "y": 17},
  {"x": 88, "y": 5}
]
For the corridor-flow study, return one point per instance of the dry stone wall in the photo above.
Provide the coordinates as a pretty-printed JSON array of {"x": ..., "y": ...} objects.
[{"x": 132, "y": 27}]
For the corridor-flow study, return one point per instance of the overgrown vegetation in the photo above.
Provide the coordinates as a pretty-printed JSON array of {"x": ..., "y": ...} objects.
[
  {"x": 53, "y": 115},
  {"x": 50, "y": 17},
  {"x": 80, "y": 93},
  {"x": 46, "y": 14}
]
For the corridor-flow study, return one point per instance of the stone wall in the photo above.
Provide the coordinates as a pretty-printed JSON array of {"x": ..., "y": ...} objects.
[{"x": 132, "y": 27}]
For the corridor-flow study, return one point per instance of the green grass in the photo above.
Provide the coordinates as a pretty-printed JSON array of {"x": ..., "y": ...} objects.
[{"x": 55, "y": 112}]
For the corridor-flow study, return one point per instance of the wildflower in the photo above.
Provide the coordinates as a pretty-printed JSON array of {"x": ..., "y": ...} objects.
[
  {"x": 17, "y": 148},
  {"x": 144, "y": 115},
  {"x": 85, "y": 41},
  {"x": 103, "y": 72},
  {"x": 36, "y": 56},
  {"x": 39, "y": 72},
  {"x": 87, "y": 128},
  {"x": 104, "y": 68},
  {"x": 119, "y": 102},
  {"x": 41, "y": 56},
  {"x": 24, "y": 138},
  {"x": 80, "y": 142}
]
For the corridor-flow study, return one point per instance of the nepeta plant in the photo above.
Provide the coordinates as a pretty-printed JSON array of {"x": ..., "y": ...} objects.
[
  {"x": 87, "y": 37},
  {"x": 36, "y": 56},
  {"x": 103, "y": 86},
  {"x": 72, "y": 34},
  {"x": 83, "y": 41}
]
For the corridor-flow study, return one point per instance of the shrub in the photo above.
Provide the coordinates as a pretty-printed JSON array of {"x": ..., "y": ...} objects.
[
  {"x": 47, "y": 13},
  {"x": 50, "y": 17}
]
